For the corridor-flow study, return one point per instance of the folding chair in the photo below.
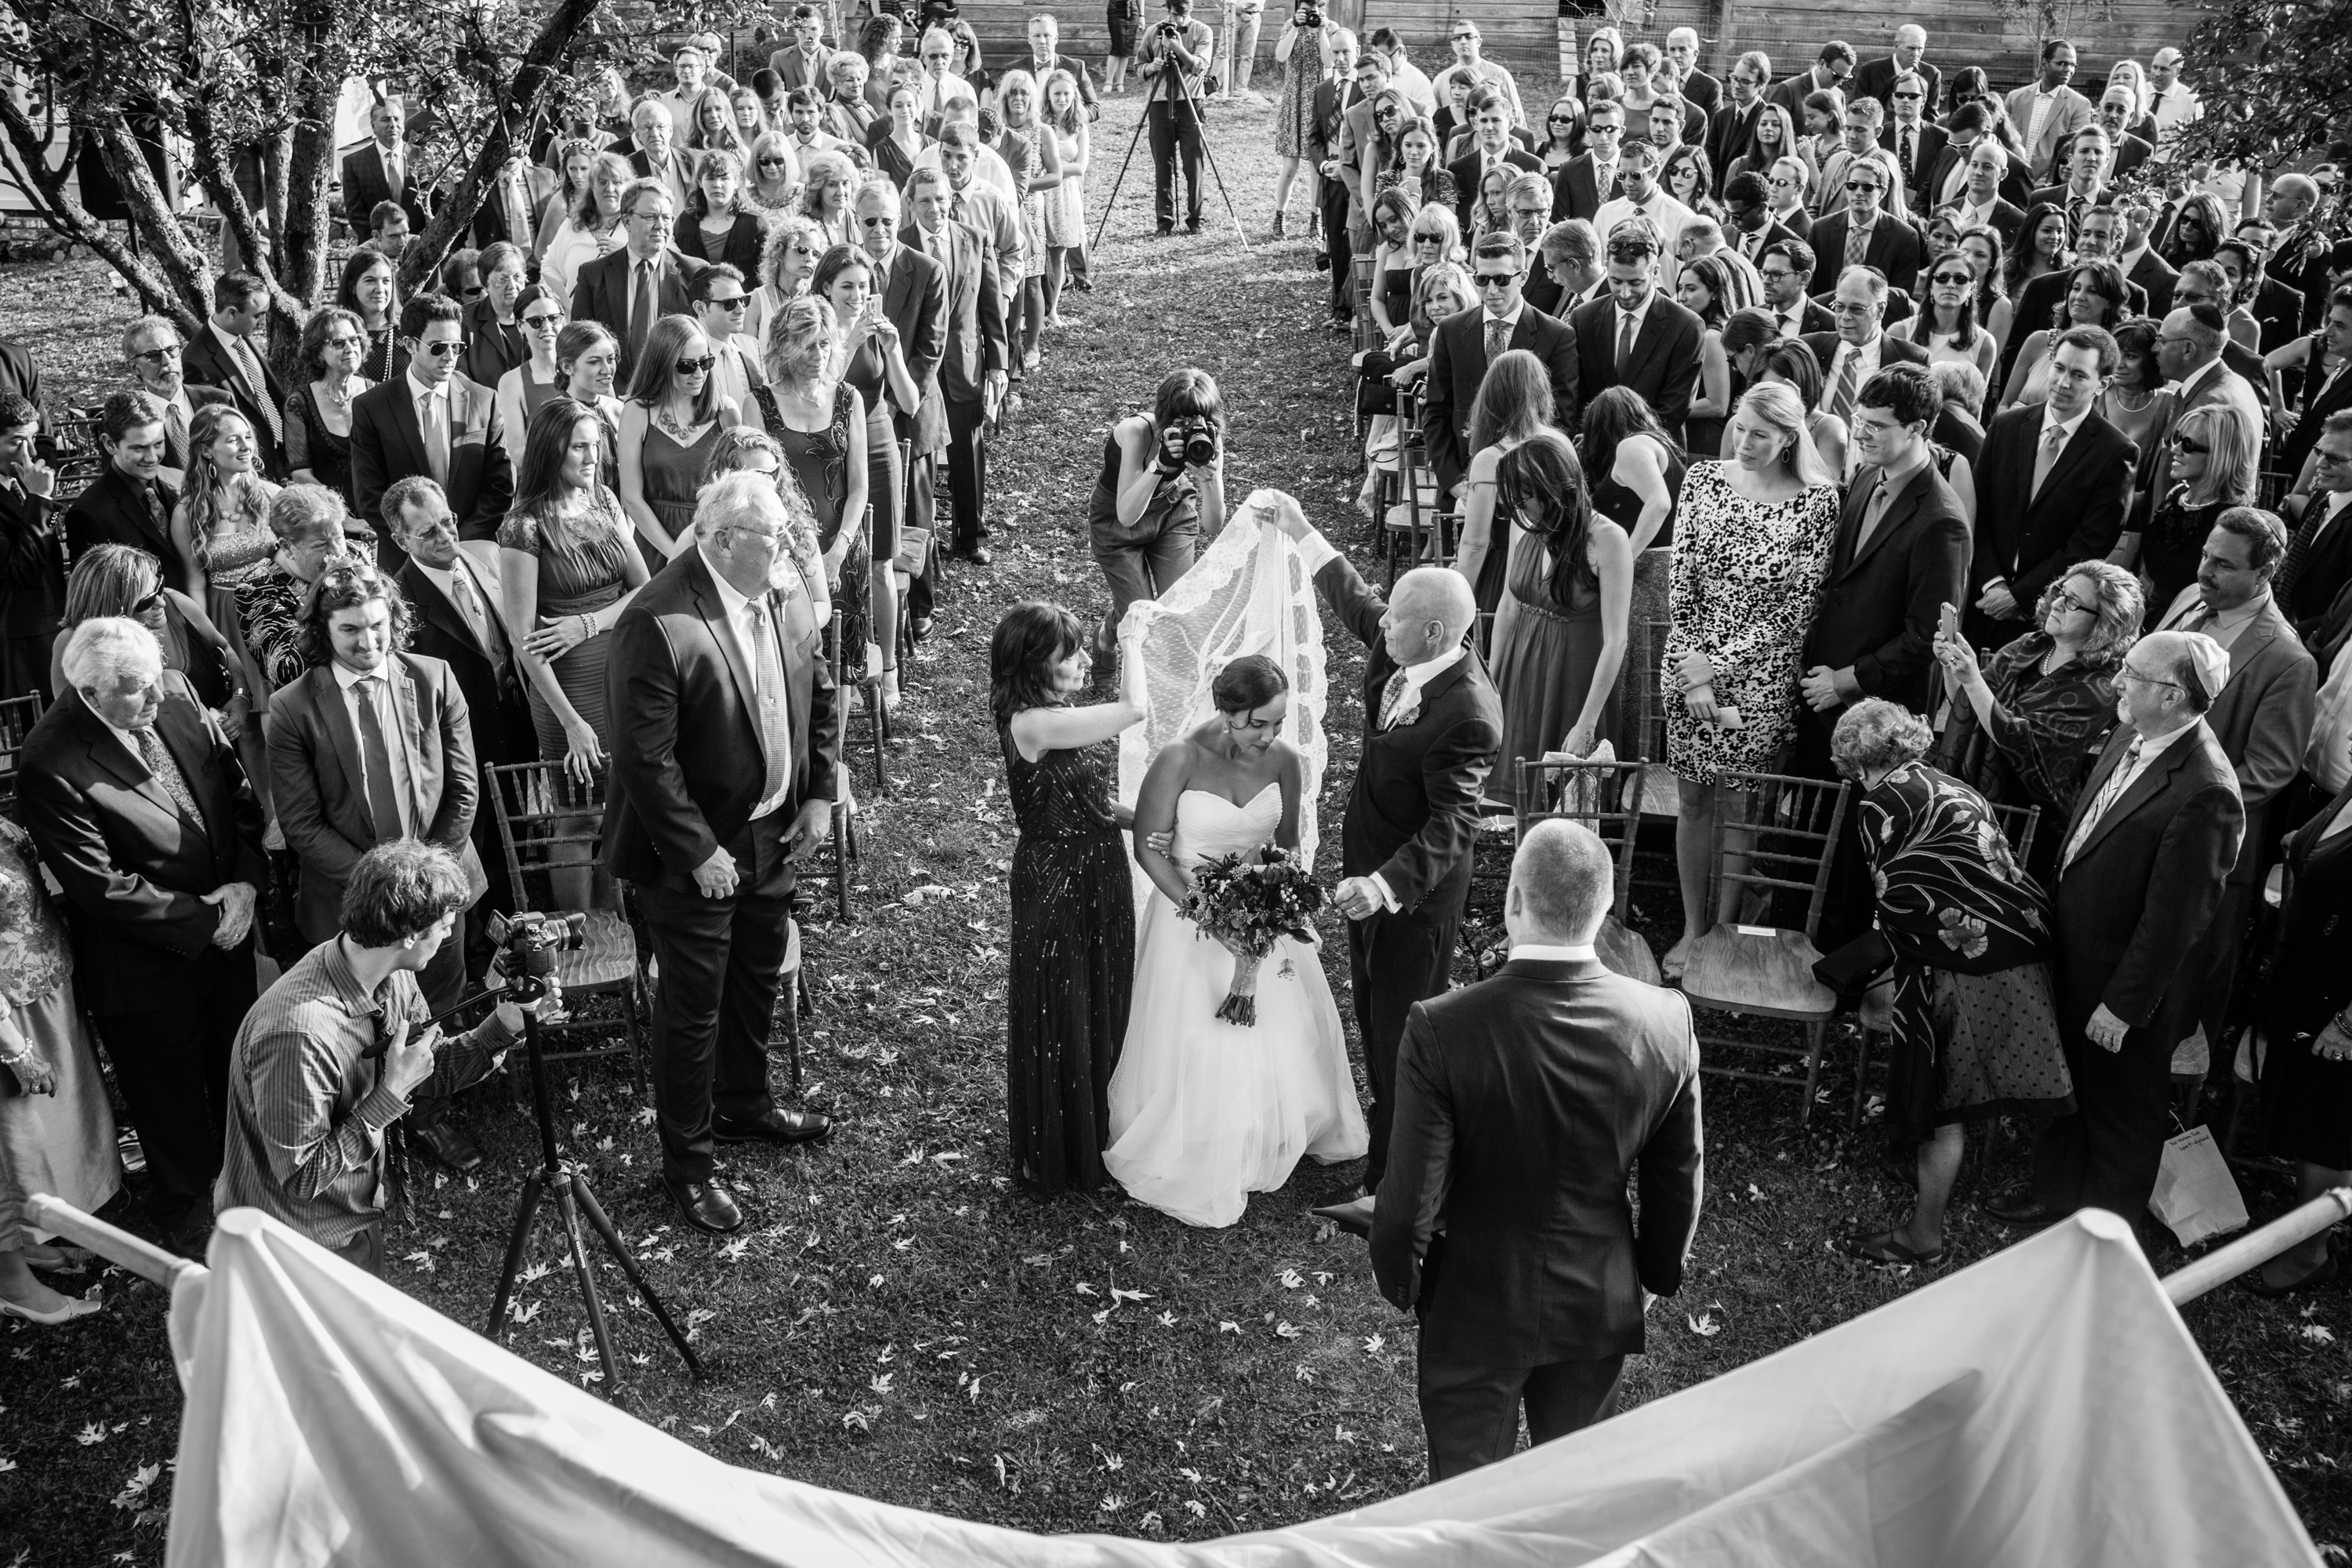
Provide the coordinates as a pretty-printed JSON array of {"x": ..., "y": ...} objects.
[
  {"x": 1792, "y": 825},
  {"x": 847, "y": 677},
  {"x": 548, "y": 823},
  {"x": 17, "y": 716},
  {"x": 1405, "y": 538},
  {"x": 79, "y": 461},
  {"x": 902, "y": 644},
  {"x": 1607, "y": 798},
  {"x": 2019, "y": 824},
  {"x": 1360, "y": 275}
]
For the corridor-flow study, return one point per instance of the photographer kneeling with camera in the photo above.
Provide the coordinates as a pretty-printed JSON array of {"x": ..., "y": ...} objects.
[
  {"x": 1162, "y": 487},
  {"x": 330, "y": 1055}
]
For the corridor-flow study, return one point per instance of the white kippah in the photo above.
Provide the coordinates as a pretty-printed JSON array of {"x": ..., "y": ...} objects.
[{"x": 2209, "y": 661}]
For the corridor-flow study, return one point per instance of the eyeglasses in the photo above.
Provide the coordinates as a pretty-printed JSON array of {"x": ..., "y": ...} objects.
[
  {"x": 874, "y": 221},
  {"x": 696, "y": 366},
  {"x": 1420, "y": 238},
  {"x": 775, "y": 162},
  {"x": 546, "y": 321},
  {"x": 2129, "y": 673},
  {"x": 443, "y": 349},
  {"x": 1864, "y": 186},
  {"x": 737, "y": 303},
  {"x": 1560, "y": 118},
  {"x": 2196, "y": 448},
  {"x": 1596, "y": 128},
  {"x": 341, "y": 340},
  {"x": 1912, "y": 97},
  {"x": 159, "y": 353},
  {"x": 2064, "y": 599},
  {"x": 1963, "y": 278},
  {"x": 1485, "y": 280}
]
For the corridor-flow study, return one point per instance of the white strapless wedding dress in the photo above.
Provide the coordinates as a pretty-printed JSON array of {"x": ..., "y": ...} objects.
[{"x": 1203, "y": 1112}]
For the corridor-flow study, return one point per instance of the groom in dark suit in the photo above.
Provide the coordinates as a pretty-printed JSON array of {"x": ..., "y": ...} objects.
[
  {"x": 1432, "y": 726},
  {"x": 724, "y": 745},
  {"x": 1523, "y": 1104}
]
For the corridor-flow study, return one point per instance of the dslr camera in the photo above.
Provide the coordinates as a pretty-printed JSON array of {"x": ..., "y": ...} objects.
[
  {"x": 1192, "y": 440},
  {"x": 1310, "y": 17},
  {"x": 1169, "y": 30},
  {"x": 528, "y": 943}
]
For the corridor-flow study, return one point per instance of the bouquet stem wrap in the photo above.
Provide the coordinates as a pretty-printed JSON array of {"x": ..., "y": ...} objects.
[
  {"x": 1249, "y": 905},
  {"x": 1240, "y": 1006}
]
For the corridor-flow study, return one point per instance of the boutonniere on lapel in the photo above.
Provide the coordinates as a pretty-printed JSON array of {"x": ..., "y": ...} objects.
[{"x": 1408, "y": 711}]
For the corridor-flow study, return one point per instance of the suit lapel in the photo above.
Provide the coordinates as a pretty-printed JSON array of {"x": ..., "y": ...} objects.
[
  {"x": 713, "y": 611},
  {"x": 1899, "y": 513},
  {"x": 2152, "y": 778},
  {"x": 183, "y": 737},
  {"x": 404, "y": 421},
  {"x": 109, "y": 752},
  {"x": 335, "y": 715}
]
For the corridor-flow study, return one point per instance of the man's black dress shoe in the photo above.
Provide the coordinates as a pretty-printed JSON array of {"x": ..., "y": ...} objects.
[
  {"x": 708, "y": 1205},
  {"x": 1166, "y": 229},
  {"x": 972, "y": 554},
  {"x": 445, "y": 1144},
  {"x": 920, "y": 627},
  {"x": 2019, "y": 1208},
  {"x": 777, "y": 1125}
]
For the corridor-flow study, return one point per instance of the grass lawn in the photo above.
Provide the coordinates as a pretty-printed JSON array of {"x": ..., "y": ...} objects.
[{"x": 897, "y": 1323}]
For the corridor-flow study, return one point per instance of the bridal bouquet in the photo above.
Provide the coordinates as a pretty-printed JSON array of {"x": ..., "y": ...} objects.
[{"x": 1246, "y": 902}]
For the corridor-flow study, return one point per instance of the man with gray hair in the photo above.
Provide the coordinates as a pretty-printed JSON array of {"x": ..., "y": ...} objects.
[
  {"x": 1877, "y": 79},
  {"x": 1692, "y": 85},
  {"x": 1432, "y": 726},
  {"x": 2141, "y": 869},
  {"x": 1569, "y": 255},
  {"x": 139, "y": 807},
  {"x": 725, "y": 743},
  {"x": 658, "y": 155},
  {"x": 1527, "y": 1105},
  {"x": 152, "y": 347}
]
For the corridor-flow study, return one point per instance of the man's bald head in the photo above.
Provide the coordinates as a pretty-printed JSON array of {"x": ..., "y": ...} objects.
[
  {"x": 1562, "y": 881},
  {"x": 1431, "y": 610}
]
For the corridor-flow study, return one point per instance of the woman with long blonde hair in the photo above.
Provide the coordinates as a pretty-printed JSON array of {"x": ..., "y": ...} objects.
[
  {"x": 819, "y": 420},
  {"x": 221, "y": 527}
]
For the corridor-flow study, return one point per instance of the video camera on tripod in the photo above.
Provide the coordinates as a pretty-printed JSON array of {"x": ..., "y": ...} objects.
[{"x": 528, "y": 943}]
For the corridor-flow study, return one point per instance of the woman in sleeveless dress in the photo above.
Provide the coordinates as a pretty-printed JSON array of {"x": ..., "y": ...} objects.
[
  {"x": 1204, "y": 1112},
  {"x": 1039, "y": 175},
  {"x": 820, "y": 421},
  {"x": 318, "y": 419},
  {"x": 869, "y": 358},
  {"x": 221, "y": 527},
  {"x": 1636, "y": 471},
  {"x": 1560, "y": 635},
  {"x": 1072, "y": 944},
  {"x": 1514, "y": 402},
  {"x": 1065, "y": 218},
  {"x": 523, "y": 391},
  {"x": 674, "y": 409}
]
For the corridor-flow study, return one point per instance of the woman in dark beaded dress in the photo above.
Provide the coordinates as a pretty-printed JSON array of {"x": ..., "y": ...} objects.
[{"x": 1073, "y": 937}]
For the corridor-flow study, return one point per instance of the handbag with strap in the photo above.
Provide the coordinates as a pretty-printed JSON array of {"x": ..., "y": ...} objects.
[
  {"x": 914, "y": 557},
  {"x": 1851, "y": 969}
]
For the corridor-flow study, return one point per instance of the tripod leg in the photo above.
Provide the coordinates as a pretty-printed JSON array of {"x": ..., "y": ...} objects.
[
  {"x": 587, "y": 1198},
  {"x": 597, "y": 1327},
  {"x": 1112, "y": 200},
  {"x": 1201, "y": 120},
  {"x": 534, "y": 1187}
]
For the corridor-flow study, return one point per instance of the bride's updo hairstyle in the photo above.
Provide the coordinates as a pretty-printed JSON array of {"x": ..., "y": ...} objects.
[
  {"x": 1247, "y": 684},
  {"x": 1031, "y": 638}
]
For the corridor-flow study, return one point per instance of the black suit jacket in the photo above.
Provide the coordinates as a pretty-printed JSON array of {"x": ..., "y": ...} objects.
[
  {"x": 1525, "y": 1106},
  {"x": 601, "y": 293},
  {"x": 1896, "y": 249},
  {"x": 318, "y": 778},
  {"x": 1879, "y": 605},
  {"x": 1816, "y": 322},
  {"x": 916, "y": 302},
  {"x": 364, "y": 186},
  {"x": 2008, "y": 218},
  {"x": 2134, "y": 902},
  {"x": 1413, "y": 815},
  {"x": 1576, "y": 190},
  {"x": 176, "y": 453},
  {"x": 134, "y": 868},
  {"x": 1701, "y": 92},
  {"x": 2323, "y": 399},
  {"x": 2278, "y": 311},
  {"x": 1892, "y": 349},
  {"x": 2030, "y": 542},
  {"x": 206, "y": 362},
  {"x": 388, "y": 444},
  {"x": 32, "y": 585},
  {"x": 495, "y": 704},
  {"x": 112, "y": 511},
  {"x": 685, "y": 762},
  {"x": 491, "y": 350},
  {"x": 741, "y": 251},
  {"x": 1663, "y": 367},
  {"x": 2153, "y": 277},
  {"x": 1772, "y": 234},
  {"x": 1927, "y": 153},
  {"x": 1466, "y": 169},
  {"x": 1730, "y": 133},
  {"x": 1457, "y": 364},
  {"x": 971, "y": 318},
  {"x": 1875, "y": 78}
]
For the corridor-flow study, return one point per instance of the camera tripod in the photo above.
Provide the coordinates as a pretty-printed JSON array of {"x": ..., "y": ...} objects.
[
  {"x": 568, "y": 1184},
  {"x": 1192, "y": 98}
]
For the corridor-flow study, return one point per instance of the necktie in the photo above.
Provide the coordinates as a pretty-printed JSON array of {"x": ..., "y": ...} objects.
[
  {"x": 2115, "y": 786},
  {"x": 1498, "y": 338},
  {"x": 250, "y": 363},
  {"x": 1906, "y": 141},
  {"x": 1857, "y": 244},
  {"x": 175, "y": 431},
  {"x": 1624, "y": 340},
  {"x": 469, "y": 610},
  {"x": 768, "y": 689},
  {"x": 167, "y": 774},
  {"x": 156, "y": 514},
  {"x": 2299, "y": 549},
  {"x": 2200, "y": 615},
  {"x": 1605, "y": 180},
  {"x": 392, "y": 171},
  {"x": 433, "y": 421},
  {"x": 1391, "y": 697},
  {"x": 642, "y": 308},
  {"x": 2054, "y": 441},
  {"x": 1872, "y": 513},
  {"x": 1849, "y": 381},
  {"x": 376, "y": 764},
  {"x": 955, "y": 207}
]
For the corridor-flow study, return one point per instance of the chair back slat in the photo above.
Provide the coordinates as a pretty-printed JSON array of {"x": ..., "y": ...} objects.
[
  {"x": 2019, "y": 825},
  {"x": 548, "y": 821},
  {"x": 17, "y": 716},
  {"x": 1792, "y": 827},
  {"x": 1604, "y": 797}
]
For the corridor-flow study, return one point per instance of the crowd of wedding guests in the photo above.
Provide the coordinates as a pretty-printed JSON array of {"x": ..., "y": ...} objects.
[{"x": 1972, "y": 446}]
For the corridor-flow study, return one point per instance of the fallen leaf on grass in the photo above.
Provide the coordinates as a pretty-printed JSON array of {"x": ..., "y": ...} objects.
[{"x": 1704, "y": 1325}]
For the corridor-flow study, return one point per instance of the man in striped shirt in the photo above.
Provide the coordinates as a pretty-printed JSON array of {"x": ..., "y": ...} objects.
[{"x": 332, "y": 1055}]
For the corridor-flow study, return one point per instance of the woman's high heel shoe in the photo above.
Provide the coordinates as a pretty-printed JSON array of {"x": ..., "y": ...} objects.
[{"x": 1275, "y": 233}]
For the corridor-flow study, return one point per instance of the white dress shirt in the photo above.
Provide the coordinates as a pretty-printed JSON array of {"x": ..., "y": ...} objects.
[
  {"x": 1552, "y": 953},
  {"x": 387, "y": 715},
  {"x": 484, "y": 602},
  {"x": 739, "y": 609},
  {"x": 2127, "y": 772},
  {"x": 1669, "y": 214}
]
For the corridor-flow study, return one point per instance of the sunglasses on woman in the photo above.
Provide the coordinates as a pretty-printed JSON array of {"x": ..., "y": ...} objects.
[
  {"x": 696, "y": 366},
  {"x": 2195, "y": 448},
  {"x": 1963, "y": 278}
]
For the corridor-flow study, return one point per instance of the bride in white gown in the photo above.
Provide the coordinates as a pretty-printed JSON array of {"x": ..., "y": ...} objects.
[{"x": 1204, "y": 1112}]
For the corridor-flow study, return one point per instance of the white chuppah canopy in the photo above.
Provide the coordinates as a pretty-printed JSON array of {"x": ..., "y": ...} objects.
[{"x": 2045, "y": 1406}]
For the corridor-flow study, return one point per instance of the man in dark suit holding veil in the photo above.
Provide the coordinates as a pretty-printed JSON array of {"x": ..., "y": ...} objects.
[
  {"x": 1432, "y": 725},
  {"x": 722, "y": 781},
  {"x": 1524, "y": 1103}
]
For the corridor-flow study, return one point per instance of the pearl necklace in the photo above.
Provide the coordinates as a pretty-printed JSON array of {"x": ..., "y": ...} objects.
[
  {"x": 338, "y": 398},
  {"x": 2124, "y": 402}
]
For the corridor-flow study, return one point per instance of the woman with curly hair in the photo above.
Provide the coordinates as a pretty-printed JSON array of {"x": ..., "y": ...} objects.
[
  {"x": 1974, "y": 1023},
  {"x": 829, "y": 179},
  {"x": 307, "y": 524},
  {"x": 220, "y": 529},
  {"x": 794, "y": 247},
  {"x": 590, "y": 226}
]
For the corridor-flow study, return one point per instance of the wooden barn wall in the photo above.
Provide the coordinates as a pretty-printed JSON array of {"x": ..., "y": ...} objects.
[{"x": 1525, "y": 37}]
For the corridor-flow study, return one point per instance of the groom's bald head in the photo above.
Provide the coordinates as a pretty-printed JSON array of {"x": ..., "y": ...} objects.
[
  {"x": 1560, "y": 887},
  {"x": 1431, "y": 610}
]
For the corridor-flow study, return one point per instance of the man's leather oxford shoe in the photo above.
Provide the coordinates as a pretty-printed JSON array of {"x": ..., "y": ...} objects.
[
  {"x": 2020, "y": 1209},
  {"x": 445, "y": 1144},
  {"x": 708, "y": 1205},
  {"x": 776, "y": 1125}
]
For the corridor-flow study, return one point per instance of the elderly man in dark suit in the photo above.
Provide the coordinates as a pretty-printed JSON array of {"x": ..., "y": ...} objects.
[
  {"x": 127, "y": 504},
  {"x": 1637, "y": 337},
  {"x": 380, "y": 171},
  {"x": 2261, "y": 717},
  {"x": 135, "y": 800},
  {"x": 1879, "y": 78},
  {"x": 1901, "y": 555},
  {"x": 2050, "y": 491},
  {"x": 972, "y": 371},
  {"x": 155, "y": 355},
  {"x": 1432, "y": 725},
  {"x": 724, "y": 747},
  {"x": 1465, "y": 345},
  {"x": 1587, "y": 181},
  {"x": 430, "y": 420},
  {"x": 913, "y": 291},
  {"x": 1528, "y": 1106},
  {"x": 2141, "y": 871},
  {"x": 225, "y": 353},
  {"x": 1860, "y": 347},
  {"x": 644, "y": 280},
  {"x": 1887, "y": 243}
]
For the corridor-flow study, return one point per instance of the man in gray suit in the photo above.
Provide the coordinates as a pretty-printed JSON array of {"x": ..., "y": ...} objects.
[
  {"x": 2188, "y": 349},
  {"x": 1524, "y": 1103},
  {"x": 2262, "y": 716}
]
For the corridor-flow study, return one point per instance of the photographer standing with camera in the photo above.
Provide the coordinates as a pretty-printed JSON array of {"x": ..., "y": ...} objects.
[
  {"x": 1162, "y": 487},
  {"x": 336, "y": 1051},
  {"x": 1176, "y": 58}
]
